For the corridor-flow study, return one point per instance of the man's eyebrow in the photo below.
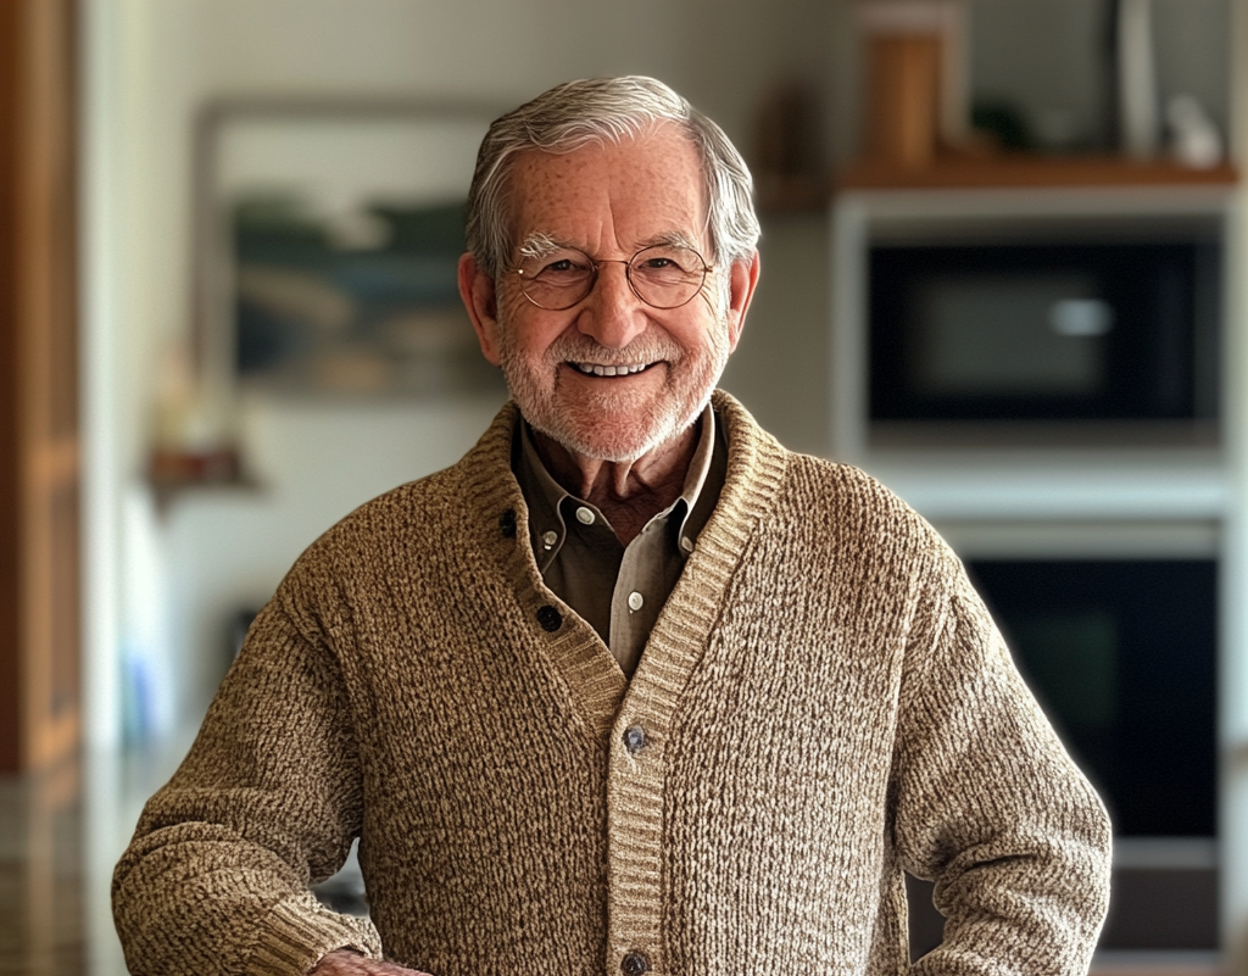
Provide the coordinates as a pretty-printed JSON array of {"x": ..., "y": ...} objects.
[
  {"x": 539, "y": 244},
  {"x": 675, "y": 238}
]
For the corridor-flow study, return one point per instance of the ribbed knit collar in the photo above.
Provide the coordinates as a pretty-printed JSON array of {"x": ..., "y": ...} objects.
[{"x": 756, "y": 463}]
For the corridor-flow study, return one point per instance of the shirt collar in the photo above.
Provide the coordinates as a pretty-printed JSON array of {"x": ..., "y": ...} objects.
[{"x": 545, "y": 496}]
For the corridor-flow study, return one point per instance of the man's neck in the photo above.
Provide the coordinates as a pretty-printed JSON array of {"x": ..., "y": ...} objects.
[{"x": 628, "y": 493}]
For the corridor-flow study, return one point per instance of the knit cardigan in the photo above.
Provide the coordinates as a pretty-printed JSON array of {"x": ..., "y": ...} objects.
[{"x": 823, "y": 702}]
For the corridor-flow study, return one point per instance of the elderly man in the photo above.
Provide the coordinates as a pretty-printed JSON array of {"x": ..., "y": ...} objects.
[{"x": 630, "y": 688}]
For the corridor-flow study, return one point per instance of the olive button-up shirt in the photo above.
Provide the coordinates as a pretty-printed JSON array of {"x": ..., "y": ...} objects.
[{"x": 618, "y": 589}]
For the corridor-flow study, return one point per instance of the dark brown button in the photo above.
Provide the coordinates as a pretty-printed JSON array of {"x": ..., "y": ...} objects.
[
  {"x": 550, "y": 618},
  {"x": 635, "y": 963},
  {"x": 634, "y": 739},
  {"x": 507, "y": 523}
]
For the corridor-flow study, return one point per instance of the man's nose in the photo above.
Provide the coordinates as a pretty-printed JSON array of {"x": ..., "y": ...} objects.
[{"x": 613, "y": 314}]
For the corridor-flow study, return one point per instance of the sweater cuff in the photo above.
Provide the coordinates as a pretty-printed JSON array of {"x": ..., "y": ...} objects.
[{"x": 299, "y": 931}]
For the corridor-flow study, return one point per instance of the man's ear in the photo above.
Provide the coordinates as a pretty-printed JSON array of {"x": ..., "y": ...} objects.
[
  {"x": 742, "y": 280},
  {"x": 476, "y": 288}
]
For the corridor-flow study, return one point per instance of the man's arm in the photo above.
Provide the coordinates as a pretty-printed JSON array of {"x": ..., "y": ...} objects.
[
  {"x": 990, "y": 806},
  {"x": 267, "y": 801}
]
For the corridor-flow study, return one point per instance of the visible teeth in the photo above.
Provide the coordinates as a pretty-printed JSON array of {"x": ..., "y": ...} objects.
[{"x": 593, "y": 369}]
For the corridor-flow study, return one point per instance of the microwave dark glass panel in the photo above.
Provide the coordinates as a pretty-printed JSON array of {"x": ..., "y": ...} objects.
[
  {"x": 1089, "y": 331},
  {"x": 1121, "y": 655}
]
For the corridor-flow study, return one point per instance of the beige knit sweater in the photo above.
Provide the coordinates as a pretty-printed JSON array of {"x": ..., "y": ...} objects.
[{"x": 823, "y": 702}]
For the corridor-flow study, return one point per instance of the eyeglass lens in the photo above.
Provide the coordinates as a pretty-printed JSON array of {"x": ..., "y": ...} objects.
[{"x": 664, "y": 276}]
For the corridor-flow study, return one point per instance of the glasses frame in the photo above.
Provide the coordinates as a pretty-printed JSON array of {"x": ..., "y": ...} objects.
[{"x": 596, "y": 265}]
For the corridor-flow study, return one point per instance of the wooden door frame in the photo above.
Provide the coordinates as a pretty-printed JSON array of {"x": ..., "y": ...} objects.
[{"x": 39, "y": 452}]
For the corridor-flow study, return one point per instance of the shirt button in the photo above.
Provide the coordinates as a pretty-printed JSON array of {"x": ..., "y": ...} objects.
[
  {"x": 636, "y": 601},
  {"x": 635, "y": 964},
  {"x": 550, "y": 618},
  {"x": 549, "y": 539},
  {"x": 686, "y": 543},
  {"x": 634, "y": 739},
  {"x": 585, "y": 516}
]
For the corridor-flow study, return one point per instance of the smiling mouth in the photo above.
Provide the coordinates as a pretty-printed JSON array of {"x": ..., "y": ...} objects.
[{"x": 593, "y": 369}]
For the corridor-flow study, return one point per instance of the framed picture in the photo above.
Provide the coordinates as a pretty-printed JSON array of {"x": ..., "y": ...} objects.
[{"x": 329, "y": 239}]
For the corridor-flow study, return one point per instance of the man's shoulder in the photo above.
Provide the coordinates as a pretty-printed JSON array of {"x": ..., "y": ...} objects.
[
  {"x": 855, "y": 500},
  {"x": 839, "y": 476},
  {"x": 808, "y": 487}
]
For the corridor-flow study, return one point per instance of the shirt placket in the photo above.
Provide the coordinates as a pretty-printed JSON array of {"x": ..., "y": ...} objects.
[{"x": 634, "y": 604}]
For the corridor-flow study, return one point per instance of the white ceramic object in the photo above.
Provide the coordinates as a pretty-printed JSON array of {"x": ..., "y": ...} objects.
[{"x": 1194, "y": 138}]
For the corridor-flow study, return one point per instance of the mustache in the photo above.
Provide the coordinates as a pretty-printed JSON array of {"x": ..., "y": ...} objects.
[{"x": 580, "y": 348}]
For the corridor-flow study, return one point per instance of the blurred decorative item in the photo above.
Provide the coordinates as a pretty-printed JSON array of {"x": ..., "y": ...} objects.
[
  {"x": 330, "y": 236},
  {"x": 193, "y": 442},
  {"x": 1004, "y": 122},
  {"x": 921, "y": 131},
  {"x": 1138, "y": 121},
  {"x": 1194, "y": 138},
  {"x": 789, "y": 170},
  {"x": 917, "y": 89}
]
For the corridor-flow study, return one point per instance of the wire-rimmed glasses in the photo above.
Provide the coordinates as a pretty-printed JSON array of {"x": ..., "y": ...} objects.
[{"x": 662, "y": 276}]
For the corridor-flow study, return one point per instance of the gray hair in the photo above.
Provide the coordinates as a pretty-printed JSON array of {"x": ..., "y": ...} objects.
[{"x": 598, "y": 111}]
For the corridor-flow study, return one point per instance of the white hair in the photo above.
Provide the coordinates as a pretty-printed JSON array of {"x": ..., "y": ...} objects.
[{"x": 599, "y": 111}]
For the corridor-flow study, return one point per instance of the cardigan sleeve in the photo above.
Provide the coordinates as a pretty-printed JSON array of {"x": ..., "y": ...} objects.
[
  {"x": 267, "y": 801},
  {"x": 990, "y": 806}
]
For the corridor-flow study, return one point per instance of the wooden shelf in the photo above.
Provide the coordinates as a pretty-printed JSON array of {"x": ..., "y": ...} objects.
[
  {"x": 171, "y": 474},
  {"x": 1025, "y": 170}
]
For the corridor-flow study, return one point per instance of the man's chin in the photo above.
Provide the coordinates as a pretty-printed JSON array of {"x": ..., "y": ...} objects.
[
  {"x": 616, "y": 446},
  {"x": 618, "y": 425},
  {"x": 611, "y": 436}
]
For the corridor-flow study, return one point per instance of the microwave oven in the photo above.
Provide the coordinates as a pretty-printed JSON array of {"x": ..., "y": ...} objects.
[{"x": 1080, "y": 328}]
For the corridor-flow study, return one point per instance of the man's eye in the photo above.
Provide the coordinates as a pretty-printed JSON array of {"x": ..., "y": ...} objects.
[
  {"x": 663, "y": 265},
  {"x": 562, "y": 269}
]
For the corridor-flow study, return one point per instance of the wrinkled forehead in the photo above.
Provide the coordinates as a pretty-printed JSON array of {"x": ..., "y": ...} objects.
[{"x": 611, "y": 195}]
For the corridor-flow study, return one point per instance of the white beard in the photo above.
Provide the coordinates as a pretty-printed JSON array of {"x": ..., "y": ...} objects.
[{"x": 618, "y": 425}]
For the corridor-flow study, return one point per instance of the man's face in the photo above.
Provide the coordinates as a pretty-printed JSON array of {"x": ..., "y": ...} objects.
[{"x": 609, "y": 202}]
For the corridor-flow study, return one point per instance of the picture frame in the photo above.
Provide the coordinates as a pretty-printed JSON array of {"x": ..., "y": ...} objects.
[{"x": 328, "y": 236}]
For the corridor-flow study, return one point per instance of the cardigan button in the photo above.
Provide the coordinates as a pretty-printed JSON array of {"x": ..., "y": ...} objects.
[
  {"x": 507, "y": 524},
  {"x": 635, "y": 964},
  {"x": 550, "y": 618},
  {"x": 634, "y": 739}
]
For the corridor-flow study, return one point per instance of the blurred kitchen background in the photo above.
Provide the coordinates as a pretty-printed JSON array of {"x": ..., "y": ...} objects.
[{"x": 1002, "y": 262}]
